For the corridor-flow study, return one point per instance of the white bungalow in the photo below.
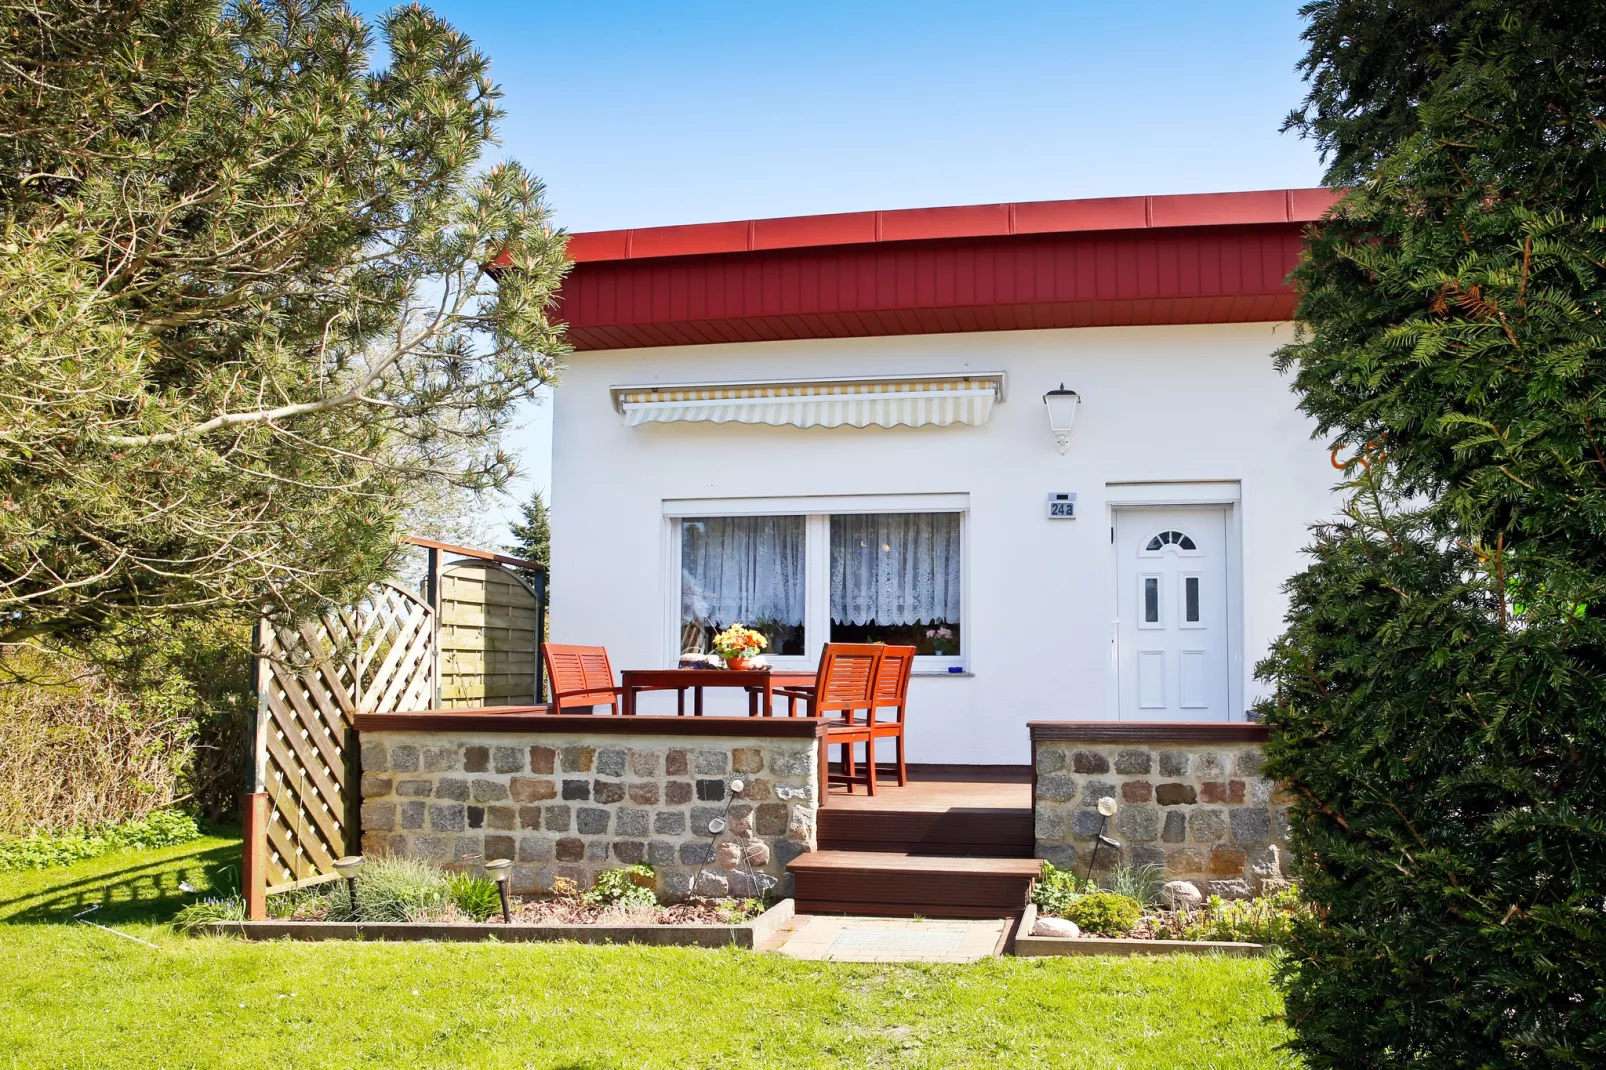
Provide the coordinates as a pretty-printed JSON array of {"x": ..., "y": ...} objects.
[{"x": 1043, "y": 442}]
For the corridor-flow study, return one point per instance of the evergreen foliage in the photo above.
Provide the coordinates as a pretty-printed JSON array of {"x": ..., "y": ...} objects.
[
  {"x": 247, "y": 301},
  {"x": 533, "y": 535},
  {"x": 1440, "y": 710}
]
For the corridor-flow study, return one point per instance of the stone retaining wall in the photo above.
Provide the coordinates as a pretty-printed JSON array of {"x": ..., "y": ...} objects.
[
  {"x": 1197, "y": 809},
  {"x": 574, "y": 804}
]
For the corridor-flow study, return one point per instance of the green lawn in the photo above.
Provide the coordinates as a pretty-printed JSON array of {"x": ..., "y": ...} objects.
[{"x": 74, "y": 996}]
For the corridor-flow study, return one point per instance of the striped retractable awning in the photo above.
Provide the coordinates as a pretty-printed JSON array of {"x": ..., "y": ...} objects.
[{"x": 916, "y": 401}]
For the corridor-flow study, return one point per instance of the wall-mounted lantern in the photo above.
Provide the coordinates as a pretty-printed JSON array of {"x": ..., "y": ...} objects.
[{"x": 1062, "y": 405}]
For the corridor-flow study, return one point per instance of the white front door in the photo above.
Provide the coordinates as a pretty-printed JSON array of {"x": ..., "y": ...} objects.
[{"x": 1171, "y": 613}]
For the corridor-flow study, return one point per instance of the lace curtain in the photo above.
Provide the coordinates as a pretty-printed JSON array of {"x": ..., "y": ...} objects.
[
  {"x": 895, "y": 568},
  {"x": 742, "y": 568}
]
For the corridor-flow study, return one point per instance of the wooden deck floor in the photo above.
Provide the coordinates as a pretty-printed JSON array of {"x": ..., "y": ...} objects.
[{"x": 941, "y": 788}]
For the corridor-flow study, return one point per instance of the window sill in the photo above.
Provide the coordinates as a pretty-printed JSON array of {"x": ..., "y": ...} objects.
[{"x": 942, "y": 672}]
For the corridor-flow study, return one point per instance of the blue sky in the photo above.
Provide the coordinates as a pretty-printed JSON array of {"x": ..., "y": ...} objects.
[{"x": 643, "y": 114}]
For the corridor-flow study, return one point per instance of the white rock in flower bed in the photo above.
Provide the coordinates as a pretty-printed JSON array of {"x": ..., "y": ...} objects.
[
  {"x": 1056, "y": 927},
  {"x": 1181, "y": 895}
]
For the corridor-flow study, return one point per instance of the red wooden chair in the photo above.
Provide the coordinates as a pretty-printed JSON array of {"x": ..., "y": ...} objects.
[
  {"x": 580, "y": 676},
  {"x": 892, "y": 692},
  {"x": 845, "y": 683}
]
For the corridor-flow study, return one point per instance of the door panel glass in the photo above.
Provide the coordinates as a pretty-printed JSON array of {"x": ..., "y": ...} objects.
[
  {"x": 1190, "y": 597},
  {"x": 1151, "y": 599}
]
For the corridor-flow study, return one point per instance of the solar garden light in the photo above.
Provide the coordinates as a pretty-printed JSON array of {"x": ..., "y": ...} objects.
[
  {"x": 718, "y": 825},
  {"x": 1106, "y": 811},
  {"x": 347, "y": 867},
  {"x": 498, "y": 869}
]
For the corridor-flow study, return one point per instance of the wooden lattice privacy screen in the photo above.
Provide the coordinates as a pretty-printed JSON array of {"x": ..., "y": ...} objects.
[{"x": 472, "y": 640}]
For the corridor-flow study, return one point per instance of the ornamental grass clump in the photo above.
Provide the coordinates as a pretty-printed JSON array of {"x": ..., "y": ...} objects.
[
  {"x": 391, "y": 889},
  {"x": 476, "y": 897}
]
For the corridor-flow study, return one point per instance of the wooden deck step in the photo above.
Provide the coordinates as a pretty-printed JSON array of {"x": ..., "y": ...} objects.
[
  {"x": 985, "y": 832},
  {"x": 902, "y": 884}
]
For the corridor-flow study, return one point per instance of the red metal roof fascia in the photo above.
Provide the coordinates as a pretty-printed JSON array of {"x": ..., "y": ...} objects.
[
  {"x": 1207, "y": 274},
  {"x": 968, "y": 221},
  {"x": 1177, "y": 312}
]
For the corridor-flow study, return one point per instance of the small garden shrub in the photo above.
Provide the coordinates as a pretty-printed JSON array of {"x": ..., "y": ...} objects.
[
  {"x": 1057, "y": 889},
  {"x": 162, "y": 828},
  {"x": 1105, "y": 913},
  {"x": 623, "y": 888},
  {"x": 475, "y": 896}
]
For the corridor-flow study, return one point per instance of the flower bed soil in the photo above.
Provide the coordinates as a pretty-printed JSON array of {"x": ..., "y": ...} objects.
[
  {"x": 1141, "y": 940},
  {"x": 693, "y": 924}
]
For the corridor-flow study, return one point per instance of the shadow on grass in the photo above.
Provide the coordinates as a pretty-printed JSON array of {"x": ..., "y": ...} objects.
[{"x": 148, "y": 892}]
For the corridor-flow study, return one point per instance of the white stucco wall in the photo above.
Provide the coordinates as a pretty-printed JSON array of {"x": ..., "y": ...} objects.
[{"x": 1178, "y": 404}]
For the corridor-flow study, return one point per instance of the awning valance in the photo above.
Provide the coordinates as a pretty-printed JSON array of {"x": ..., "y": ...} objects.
[{"x": 907, "y": 401}]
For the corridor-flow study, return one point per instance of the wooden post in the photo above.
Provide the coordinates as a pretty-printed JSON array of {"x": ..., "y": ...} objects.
[
  {"x": 254, "y": 871},
  {"x": 540, "y": 636},
  {"x": 432, "y": 595}
]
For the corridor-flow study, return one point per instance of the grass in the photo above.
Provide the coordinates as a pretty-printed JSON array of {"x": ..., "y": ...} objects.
[{"x": 73, "y": 996}]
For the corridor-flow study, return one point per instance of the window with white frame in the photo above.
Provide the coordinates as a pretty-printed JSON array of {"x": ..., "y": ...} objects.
[
  {"x": 804, "y": 578},
  {"x": 896, "y": 578},
  {"x": 742, "y": 570}
]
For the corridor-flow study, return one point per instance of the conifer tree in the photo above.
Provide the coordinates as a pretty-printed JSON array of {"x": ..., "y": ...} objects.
[
  {"x": 246, "y": 307},
  {"x": 1440, "y": 709},
  {"x": 533, "y": 535}
]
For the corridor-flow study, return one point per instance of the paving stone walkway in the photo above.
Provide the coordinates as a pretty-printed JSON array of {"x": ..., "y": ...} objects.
[{"x": 849, "y": 939}]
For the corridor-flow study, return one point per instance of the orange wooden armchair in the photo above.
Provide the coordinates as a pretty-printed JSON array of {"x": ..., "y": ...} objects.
[
  {"x": 892, "y": 692},
  {"x": 580, "y": 676},
  {"x": 845, "y": 683}
]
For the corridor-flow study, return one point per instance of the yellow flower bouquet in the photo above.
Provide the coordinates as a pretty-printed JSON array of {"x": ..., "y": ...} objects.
[{"x": 737, "y": 644}]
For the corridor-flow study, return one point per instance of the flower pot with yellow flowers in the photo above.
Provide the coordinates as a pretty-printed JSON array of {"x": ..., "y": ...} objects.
[{"x": 739, "y": 645}]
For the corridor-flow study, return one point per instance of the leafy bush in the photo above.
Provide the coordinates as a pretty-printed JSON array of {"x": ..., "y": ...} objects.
[
  {"x": 1105, "y": 913},
  {"x": 164, "y": 828},
  {"x": 1057, "y": 889},
  {"x": 475, "y": 896},
  {"x": 1264, "y": 920},
  {"x": 107, "y": 732},
  {"x": 194, "y": 915},
  {"x": 623, "y": 888}
]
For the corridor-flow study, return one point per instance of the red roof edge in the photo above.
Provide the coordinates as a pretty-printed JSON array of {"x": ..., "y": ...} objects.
[{"x": 968, "y": 221}]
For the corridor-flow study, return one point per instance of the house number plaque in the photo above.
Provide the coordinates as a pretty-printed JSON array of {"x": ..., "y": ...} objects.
[{"x": 1061, "y": 506}]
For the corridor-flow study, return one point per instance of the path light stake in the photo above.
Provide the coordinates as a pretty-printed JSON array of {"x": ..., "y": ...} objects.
[
  {"x": 716, "y": 827},
  {"x": 347, "y": 867},
  {"x": 498, "y": 869},
  {"x": 1106, "y": 811}
]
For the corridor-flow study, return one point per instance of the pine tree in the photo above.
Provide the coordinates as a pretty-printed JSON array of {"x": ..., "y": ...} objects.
[
  {"x": 533, "y": 535},
  {"x": 245, "y": 303},
  {"x": 1440, "y": 709}
]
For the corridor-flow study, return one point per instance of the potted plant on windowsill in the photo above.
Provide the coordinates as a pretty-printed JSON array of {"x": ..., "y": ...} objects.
[{"x": 738, "y": 645}]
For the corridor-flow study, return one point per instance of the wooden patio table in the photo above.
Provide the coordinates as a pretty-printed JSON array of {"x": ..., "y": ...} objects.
[{"x": 759, "y": 684}]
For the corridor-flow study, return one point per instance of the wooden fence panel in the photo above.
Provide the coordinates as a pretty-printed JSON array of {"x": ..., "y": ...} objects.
[
  {"x": 377, "y": 656},
  {"x": 489, "y": 636}
]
